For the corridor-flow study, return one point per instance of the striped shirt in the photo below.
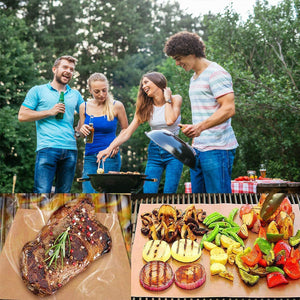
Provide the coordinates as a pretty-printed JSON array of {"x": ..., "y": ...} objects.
[{"x": 211, "y": 84}]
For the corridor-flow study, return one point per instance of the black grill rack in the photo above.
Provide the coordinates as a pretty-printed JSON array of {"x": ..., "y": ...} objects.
[{"x": 196, "y": 199}]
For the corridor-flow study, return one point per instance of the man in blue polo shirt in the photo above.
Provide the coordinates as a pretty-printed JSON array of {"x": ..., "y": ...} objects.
[{"x": 56, "y": 155}]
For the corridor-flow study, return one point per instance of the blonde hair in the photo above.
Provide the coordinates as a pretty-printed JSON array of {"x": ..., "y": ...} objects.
[
  {"x": 144, "y": 103},
  {"x": 108, "y": 106}
]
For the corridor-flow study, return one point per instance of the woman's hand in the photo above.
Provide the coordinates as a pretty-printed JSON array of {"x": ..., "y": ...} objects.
[
  {"x": 167, "y": 93},
  {"x": 104, "y": 154},
  {"x": 115, "y": 151},
  {"x": 85, "y": 129}
]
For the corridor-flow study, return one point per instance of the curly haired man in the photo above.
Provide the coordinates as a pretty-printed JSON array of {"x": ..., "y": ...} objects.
[{"x": 212, "y": 103}]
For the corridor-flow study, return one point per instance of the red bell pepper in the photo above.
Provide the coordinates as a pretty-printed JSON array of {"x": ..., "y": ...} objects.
[
  {"x": 295, "y": 253},
  {"x": 262, "y": 233},
  {"x": 276, "y": 278},
  {"x": 253, "y": 257},
  {"x": 262, "y": 262},
  {"x": 292, "y": 268},
  {"x": 286, "y": 206},
  {"x": 282, "y": 251}
]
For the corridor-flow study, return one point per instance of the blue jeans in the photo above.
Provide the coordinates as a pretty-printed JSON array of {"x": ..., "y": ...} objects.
[
  {"x": 158, "y": 161},
  {"x": 90, "y": 166},
  {"x": 58, "y": 163},
  {"x": 212, "y": 173}
]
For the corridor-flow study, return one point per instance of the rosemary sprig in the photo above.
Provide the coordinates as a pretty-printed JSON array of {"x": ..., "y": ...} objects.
[{"x": 59, "y": 248}]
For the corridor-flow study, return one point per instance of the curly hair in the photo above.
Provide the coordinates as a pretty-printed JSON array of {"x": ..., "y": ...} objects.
[
  {"x": 144, "y": 103},
  {"x": 185, "y": 43}
]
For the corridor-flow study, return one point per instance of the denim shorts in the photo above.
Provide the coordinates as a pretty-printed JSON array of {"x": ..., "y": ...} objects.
[
  {"x": 212, "y": 173},
  {"x": 158, "y": 161},
  {"x": 90, "y": 166},
  {"x": 55, "y": 163}
]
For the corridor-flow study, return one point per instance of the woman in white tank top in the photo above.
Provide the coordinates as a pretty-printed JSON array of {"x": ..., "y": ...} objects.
[{"x": 157, "y": 106}]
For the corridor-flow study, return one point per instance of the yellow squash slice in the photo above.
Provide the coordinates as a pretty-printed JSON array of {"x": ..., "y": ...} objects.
[
  {"x": 186, "y": 250},
  {"x": 156, "y": 250}
]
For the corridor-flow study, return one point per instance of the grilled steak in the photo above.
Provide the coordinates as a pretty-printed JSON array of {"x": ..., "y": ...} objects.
[{"x": 87, "y": 240}]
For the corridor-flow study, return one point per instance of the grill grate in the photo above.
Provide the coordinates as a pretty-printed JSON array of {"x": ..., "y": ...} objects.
[{"x": 137, "y": 199}]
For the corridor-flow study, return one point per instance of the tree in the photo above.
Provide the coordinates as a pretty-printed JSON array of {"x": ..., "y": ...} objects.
[
  {"x": 18, "y": 74},
  {"x": 262, "y": 55}
]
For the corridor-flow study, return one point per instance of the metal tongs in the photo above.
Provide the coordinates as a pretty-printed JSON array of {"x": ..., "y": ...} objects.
[{"x": 100, "y": 170}]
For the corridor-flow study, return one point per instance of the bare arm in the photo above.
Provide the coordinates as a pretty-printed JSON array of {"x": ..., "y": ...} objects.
[
  {"x": 121, "y": 115},
  {"x": 225, "y": 111},
  {"x": 172, "y": 110},
  {"x": 27, "y": 115},
  {"x": 82, "y": 128},
  {"x": 119, "y": 140}
]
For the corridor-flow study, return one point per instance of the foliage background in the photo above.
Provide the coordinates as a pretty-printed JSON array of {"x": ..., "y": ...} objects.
[{"x": 125, "y": 39}]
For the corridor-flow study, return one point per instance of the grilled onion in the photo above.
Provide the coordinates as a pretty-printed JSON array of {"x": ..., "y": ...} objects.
[
  {"x": 156, "y": 276},
  {"x": 190, "y": 277}
]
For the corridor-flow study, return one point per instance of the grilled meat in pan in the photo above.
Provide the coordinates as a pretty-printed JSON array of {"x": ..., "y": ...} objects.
[{"x": 87, "y": 240}]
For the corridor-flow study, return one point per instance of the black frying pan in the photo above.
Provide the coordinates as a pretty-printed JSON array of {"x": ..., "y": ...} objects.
[
  {"x": 116, "y": 183},
  {"x": 174, "y": 145}
]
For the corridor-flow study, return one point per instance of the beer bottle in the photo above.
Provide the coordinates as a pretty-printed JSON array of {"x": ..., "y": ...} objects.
[
  {"x": 90, "y": 136},
  {"x": 61, "y": 99}
]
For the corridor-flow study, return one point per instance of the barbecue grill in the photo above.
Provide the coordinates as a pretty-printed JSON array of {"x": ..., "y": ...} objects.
[{"x": 174, "y": 199}]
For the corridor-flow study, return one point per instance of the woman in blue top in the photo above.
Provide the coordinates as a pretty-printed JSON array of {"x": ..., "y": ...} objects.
[
  {"x": 157, "y": 106},
  {"x": 106, "y": 113}
]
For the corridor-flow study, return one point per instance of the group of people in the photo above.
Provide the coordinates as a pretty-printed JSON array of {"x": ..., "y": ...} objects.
[{"x": 212, "y": 103}]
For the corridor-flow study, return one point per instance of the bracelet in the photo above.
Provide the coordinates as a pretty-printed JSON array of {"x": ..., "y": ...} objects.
[{"x": 169, "y": 101}]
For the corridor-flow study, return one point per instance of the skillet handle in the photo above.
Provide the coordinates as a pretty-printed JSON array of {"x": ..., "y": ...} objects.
[
  {"x": 83, "y": 179},
  {"x": 150, "y": 179}
]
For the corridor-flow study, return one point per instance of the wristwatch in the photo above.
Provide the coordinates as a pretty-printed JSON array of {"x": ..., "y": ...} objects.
[
  {"x": 77, "y": 134},
  {"x": 169, "y": 101}
]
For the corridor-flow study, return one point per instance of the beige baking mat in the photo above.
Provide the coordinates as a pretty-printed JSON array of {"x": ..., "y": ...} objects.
[
  {"x": 215, "y": 286},
  {"x": 106, "y": 278}
]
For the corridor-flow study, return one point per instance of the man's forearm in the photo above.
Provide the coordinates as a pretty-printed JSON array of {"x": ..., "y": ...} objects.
[{"x": 28, "y": 115}]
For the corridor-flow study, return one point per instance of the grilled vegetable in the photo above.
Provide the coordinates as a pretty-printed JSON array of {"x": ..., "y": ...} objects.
[
  {"x": 185, "y": 250},
  {"x": 252, "y": 258},
  {"x": 272, "y": 269},
  {"x": 156, "y": 276},
  {"x": 282, "y": 251},
  {"x": 292, "y": 268},
  {"x": 226, "y": 274},
  {"x": 294, "y": 241},
  {"x": 276, "y": 278},
  {"x": 213, "y": 217},
  {"x": 209, "y": 246},
  {"x": 216, "y": 268},
  {"x": 243, "y": 232},
  {"x": 190, "y": 277},
  {"x": 156, "y": 250},
  {"x": 226, "y": 241},
  {"x": 248, "y": 278},
  {"x": 263, "y": 245}
]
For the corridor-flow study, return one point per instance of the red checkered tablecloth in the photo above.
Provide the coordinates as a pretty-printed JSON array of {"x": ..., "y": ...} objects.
[
  {"x": 243, "y": 187},
  {"x": 249, "y": 186}
]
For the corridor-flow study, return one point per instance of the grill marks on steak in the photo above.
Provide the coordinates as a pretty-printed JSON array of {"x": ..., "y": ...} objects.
[{"x": 89, "y": 240}]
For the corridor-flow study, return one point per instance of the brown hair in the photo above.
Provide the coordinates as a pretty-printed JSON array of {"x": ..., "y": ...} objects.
[
  {"x": 144, "y": 103},
  {"x": 185, "y": 43},
  {"x": 108, "y": 106},
  {"x": 66, "y": 57}
]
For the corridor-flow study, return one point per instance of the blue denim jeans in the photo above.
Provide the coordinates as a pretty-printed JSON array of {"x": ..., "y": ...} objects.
[
  {"x": 212, "y": 173},
  {"x": 158, "y": 161},
  {"x": 90, "y": 166},
  {"x": 55, "y": 163}
]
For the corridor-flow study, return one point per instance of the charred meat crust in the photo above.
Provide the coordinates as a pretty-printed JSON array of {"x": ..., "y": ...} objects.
[{"x": 89, "y": 239}]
